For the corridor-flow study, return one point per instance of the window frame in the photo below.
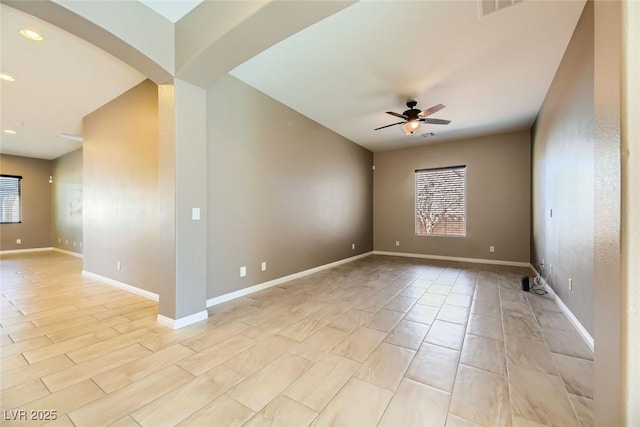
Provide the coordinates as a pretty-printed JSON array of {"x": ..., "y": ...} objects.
[
  {"x": 415, "y": 207},
  {"x": 19, "y": 178}
]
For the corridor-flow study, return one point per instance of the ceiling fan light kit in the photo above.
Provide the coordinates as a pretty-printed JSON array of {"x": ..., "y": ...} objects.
[{"x": 413, "y": 118}]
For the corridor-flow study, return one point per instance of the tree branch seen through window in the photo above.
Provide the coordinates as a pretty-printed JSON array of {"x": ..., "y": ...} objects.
[{"x": 441, "y": 201}]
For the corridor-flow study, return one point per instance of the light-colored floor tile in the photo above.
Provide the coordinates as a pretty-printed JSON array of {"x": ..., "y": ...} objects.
[
  {"x": 125, "y": 422},
  {"x": 282, "y": 412},
  {"x": 408, "y": 334},
  {"x": 485, "y": 326},
  {"x": 481, "y": 397},
  {"x": 386, "y": 366},
  {"x": 215, "y": 355},
  {"x": 584, "y": 409},
  {"x": 484, "y": 353},
  {"x": 17, "y": 396},
  {"x": 422, "y": 314},
  {"x": 102, "y": 348},
  {"x": 455, "y": 421},
  {"x": 544, "y": 303},
  {"x": 453, "y": 314},
  {"x": 341, "y": 411},
  {"x": 360, "y": 344},
  {"x": 435, "y": 366},
  {"x": 486, "y": 307},
  {"x": 576, "y": 373},
  {"x": 553, "y": 320},
  {"x": 440, "y": 289},
  {"x": 256, "y": 357},
  {"x": 540, "y": 397},
  {"x": 521, "y": 325},
  {"x": 13, "y": 362},
  {"x": 412, "y": 292},
  {"x": 214, "y": 336},
  {"x": 62, "y": 402},
  {"x": 316, "y": 387},
  {"x": 223, "y": 411},
  {"x": 416, "y": 405},
  {"x": 180, "y": 403},
  {"x": 259, "y": 389},
  {"x": 431, "y": 299},
  {"x": 446, "y": 334},
  {"x": 384, "y": 320},
  {"x": 126, "y": 400},
  {"x": 305, "y": 327},
  {"x": 530, "y": 354},
  {"x": 401, "y": 304},
  {"x": 322, "y": 342},
  {"x": 59, "y": 348},
  {"x": 459, "y": 300},
  {"x": 350, "y": 320},
  {"x": 517, "y": 306},
  {"x": 92, "y": 368},
  {"x": 37, "y": 370},
  {"x": 567, "y": 342}
]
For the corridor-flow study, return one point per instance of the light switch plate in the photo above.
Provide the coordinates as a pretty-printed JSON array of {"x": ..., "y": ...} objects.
[
  {"x": 243, "y": 271},
  {"x": 195, "y": 214}
]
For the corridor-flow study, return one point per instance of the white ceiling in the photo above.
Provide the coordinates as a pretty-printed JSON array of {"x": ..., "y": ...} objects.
[
  {"x": 491, "y": 72},
  {"x": 58, "y": 82},
  {"x": 173, "y": 10},
  {"x": 344, "y": 72}
]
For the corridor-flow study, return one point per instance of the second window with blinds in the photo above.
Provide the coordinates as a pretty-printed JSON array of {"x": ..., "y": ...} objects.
[{"x": 441, "y": 201}]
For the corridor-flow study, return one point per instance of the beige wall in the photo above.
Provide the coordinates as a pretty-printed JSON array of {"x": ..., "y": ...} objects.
[
  {"x": 35, "y": 229},
  {"x": 67, "y": 202},
  {"x": 563, "y": 176},
  {"x": 281, "y": 189},
  {"x": 498, "y": 197},
  {"x": 120, "y": 178}
]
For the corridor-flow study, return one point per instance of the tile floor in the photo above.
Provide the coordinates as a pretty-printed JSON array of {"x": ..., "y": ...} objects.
[{"x": 379, "y": 341}]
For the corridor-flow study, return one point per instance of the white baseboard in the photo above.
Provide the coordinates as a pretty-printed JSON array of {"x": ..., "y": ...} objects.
[
  {"x": 453, "y": 258},
  {"x": 24, "y": 251},
  {"x": 588, "y": 339},
  {"x": 121, "y": 285},
  {"x": 251, "y": 289},
  {"x": 75, "y": 254},
  {"x": 183, "y": 321}
]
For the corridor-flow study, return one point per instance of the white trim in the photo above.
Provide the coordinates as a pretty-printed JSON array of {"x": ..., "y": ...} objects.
[
  {"x": 588, "y": 339},
  {"x": 183, "y": 321},
  {"x": 75, "y": 254},
  {"x": 455, "y": 258},
  {"x": 21, "y": 251},
  {"x": 121, "y": 285},
  {"x": 251, "y": 289}
]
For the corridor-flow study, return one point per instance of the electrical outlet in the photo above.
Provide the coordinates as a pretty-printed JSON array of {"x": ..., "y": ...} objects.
[
  {"x": 570, "y": 284},
  {"x": 66, "y": 242},
  {"x": 118, "y": 265},
  {"x": 19, "y": 241},
  {"x": 263, "y": 266},
  {"x": 59, "y": 240},
  {"x": 353, "y": 246},
  {"x": 397, "y": 242},
  {"x": 550, "y": 269},
  {"x": 74, "y": 243},
  {"x": 243, "y": 271},
  {"x": 492, "y": 248}
]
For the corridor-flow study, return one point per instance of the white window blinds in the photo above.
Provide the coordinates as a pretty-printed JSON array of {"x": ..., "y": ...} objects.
[
  {"x": 441, "y": 201},
  {"x": 10, "y": 203}
]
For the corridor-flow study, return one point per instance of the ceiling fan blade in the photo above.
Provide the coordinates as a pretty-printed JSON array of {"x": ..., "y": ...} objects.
[
  {"x": 393, "y": 124},
  {"x": 436, "y": 121},
  {"x": 432, "y": 110},
  {"x": 402, "y": 116}
]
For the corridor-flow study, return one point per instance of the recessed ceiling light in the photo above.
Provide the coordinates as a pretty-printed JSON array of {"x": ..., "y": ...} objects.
[
  {"x": 10, "y": 131},
  {"x": 7, "y": 77},
  {"x": 31, "y": 34}
]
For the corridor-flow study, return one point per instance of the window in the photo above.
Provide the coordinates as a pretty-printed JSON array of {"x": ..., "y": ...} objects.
[
  {"x": 441, "y": 201},
  {"x": 10, "y": 199}
]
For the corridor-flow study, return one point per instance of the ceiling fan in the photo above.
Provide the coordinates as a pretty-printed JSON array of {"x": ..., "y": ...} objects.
[{"x": 413, "y": 117}]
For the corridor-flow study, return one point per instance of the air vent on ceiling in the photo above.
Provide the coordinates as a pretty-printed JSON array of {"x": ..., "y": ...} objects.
[{"x": 486, "y": 7}]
